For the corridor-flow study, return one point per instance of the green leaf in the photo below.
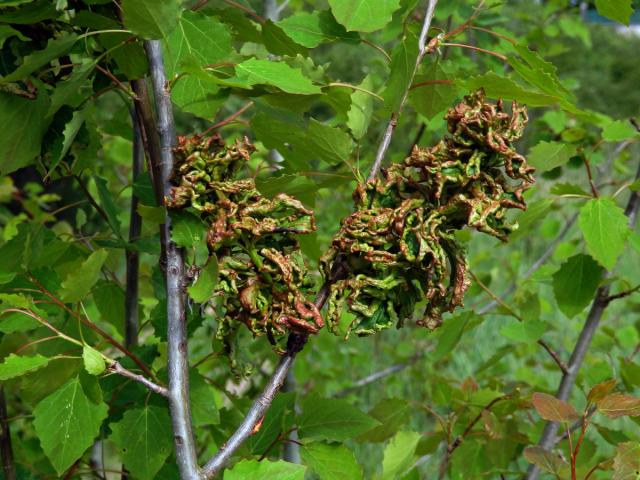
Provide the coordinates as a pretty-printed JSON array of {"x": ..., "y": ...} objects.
[
  {"x": 295, "y": 185},
  {"x": 93, "y": 361},
  {"x": 313, "y": 29},
  {"x": 54, "y": 49},
  {"x": 617, "y": 10},
  {"x": 186, "y": 229},
  {"x": 538, "y": 73},
  {"x": 277, "y": 74},
  {"x": 392, "y": 413},
  {"x": 535, "y": 212},
  {"x": 326, "y": 143},
  {"x": 74, "y": 89},
  {"x": 203, "y": 405},
  {"x": 66, "y": 423},
  {"x": 144, "y": 437},
  {"x": 451, "y": 333},
  {"x": 300, "y": 146},
  {"x": 364, "y": 15},
  {"x": 359, "y": 116},
  {"x": 150, "y": 19},
  {"x": 496, "y": 86},
  {"x": 16, "y": 365},
  {"x": 265, "y": 470},
  {"x": 331, "y": 462},
  {"x": 7, "y": 32},
  {"x": 605, "y": 229},
  {"x": 80, "y": 281},
  {"x": 198, "y": 41},
  {"x": 431, "y": 99},
  {"x": 24, "y": 124},
  {"x": 331, "y": 419},
  {"x": 108, "y": 205},
  {"x": 524, "y": 332},
  {"x": 626, "y": 464},
  {"x": 399, "y": 455},
  {"x": 552, "y": 409},
  {"x": 569, "y": 189},
  {"x": 618, "y": 130},
  {"x": 575, "y": 284},
  {"x": 203, "y": 288},
  {"x": 549, "y": 155},
  {"x": 403, "y": 63},
  {"x": 278, "y": 42}
]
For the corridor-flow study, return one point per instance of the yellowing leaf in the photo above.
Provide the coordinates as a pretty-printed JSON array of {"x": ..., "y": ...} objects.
[{"x": 94, "y": 363}]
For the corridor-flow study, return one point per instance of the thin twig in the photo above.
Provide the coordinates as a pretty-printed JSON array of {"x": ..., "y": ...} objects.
[
  {"x": 247, "y": 10},
  {"x": 228, "y": 120},
  {"x": 85, "y": 321},
  {"x": 378, "y": 48},
  {"x": 460, "y": 438},
  {"x": 587, "y": 165},
  {"x": 132, "y": 254},
  {"x": 554, "y": 355},
  {"x": 115, "y": 367},
  {"x": 6, "y": 449},
  {"x": 534, "y": 267},
  {"x": 623, "y": 294},
  {"x": 393, "y": 121},
  {"x": 477, "y": 49},
  {"x": 584, "y": 341},
  {"x": 374, "y": 377},
  {"x": 177, "y": 340}
]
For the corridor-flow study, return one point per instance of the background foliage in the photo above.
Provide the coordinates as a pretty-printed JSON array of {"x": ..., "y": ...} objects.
[{"x": 313, "y": 84}]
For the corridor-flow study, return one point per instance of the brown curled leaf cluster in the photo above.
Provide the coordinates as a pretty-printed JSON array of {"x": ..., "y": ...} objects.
[
  {"x": 399, "y": 247},
  {"x": 263, "y": 280}
]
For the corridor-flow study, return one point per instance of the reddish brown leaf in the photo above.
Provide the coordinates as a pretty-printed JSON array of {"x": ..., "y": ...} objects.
[
  {"x": 552, "y": 409},
  {"x": 601, "y": 390},
  {"x": 619, "y": 405},
  {"x": 544, "y": 459}
]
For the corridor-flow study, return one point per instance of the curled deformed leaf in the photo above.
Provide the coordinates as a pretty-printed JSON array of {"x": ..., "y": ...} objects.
[
  {"x": 399, "y": 246},
  {"x": 262, "y": 280}
]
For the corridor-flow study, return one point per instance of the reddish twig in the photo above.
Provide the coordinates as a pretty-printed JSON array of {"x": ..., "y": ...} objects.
[{"x": 228, "y": 120}]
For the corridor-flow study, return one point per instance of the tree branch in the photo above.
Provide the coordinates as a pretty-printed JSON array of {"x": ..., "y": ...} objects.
[
  {"x": 132, "y": 255},
  {"x": 393, "y": 121},
  {"x": 296, "y": 342},
  {"x": 115, "y": 367},
  {"x": 6, "y": 450},
  {"x": 598, "y": 307},
  {"x": 177, "y": 353},
  {"x": 460, "y": 438}
]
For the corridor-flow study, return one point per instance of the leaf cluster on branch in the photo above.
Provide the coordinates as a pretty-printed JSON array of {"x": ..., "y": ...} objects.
[
  {"x": 264, "y": 282},
  {"x": 399, "y": 245}
]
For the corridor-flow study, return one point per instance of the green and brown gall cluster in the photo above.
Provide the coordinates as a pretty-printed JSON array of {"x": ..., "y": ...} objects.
[
  {"x": 263, "y": 280},
  {"x": 399, "y": 245}
]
